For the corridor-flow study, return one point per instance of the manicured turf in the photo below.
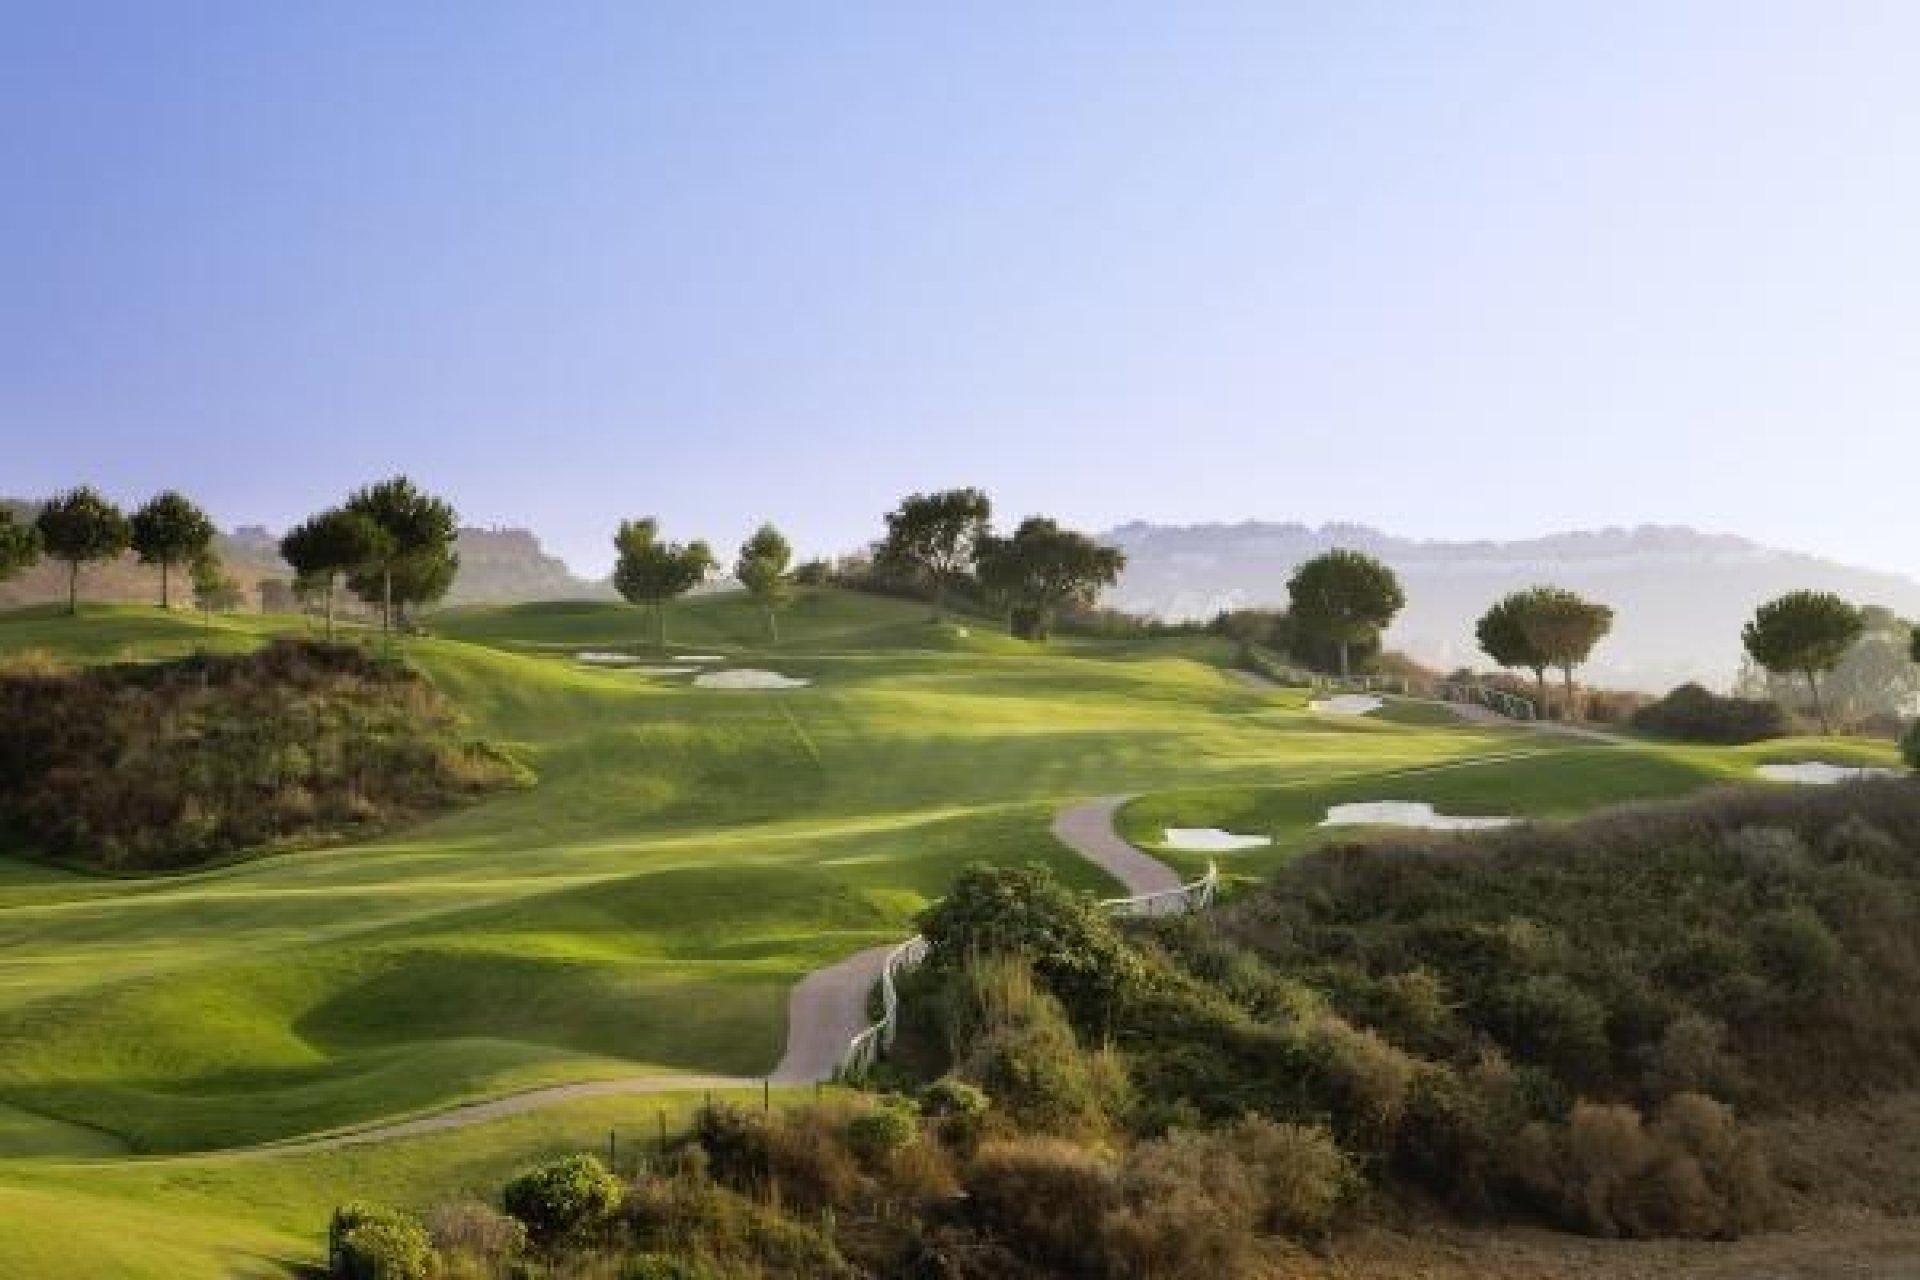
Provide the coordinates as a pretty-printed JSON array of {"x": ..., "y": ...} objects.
[{"x": 687, "y": 855}]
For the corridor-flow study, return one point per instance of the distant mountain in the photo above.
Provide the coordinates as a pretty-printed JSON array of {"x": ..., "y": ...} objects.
[
  {"x": 497, "y": 566},
  {"x": 1680, "y": 595},
  {"x": 509, "y": 566}
]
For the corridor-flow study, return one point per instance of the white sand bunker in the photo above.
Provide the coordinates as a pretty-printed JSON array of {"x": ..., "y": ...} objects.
[
  {"x": 1212, "y": 840},
  {"x": 699, "y": 657},
  {"x": 1818, "y": 774},
  {"x": 1406, "y": 813},
  {"x": 1347, "y": 704},
  {"x": 748, "y": 678},
  {"x": 598, "y": 658},
  {"x": 662, "y": 671}
]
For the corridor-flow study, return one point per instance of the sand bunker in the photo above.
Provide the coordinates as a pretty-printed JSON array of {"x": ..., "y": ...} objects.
[
  {"x": 1347, "y": 704},
  {"x": 662, "y": 671},
  {"x": 1212, "y": 840},
  {"x": 1406, "y": 813},
  {"x": 748, "y": 678},
  {"x": 596, "y": 658},
  {"x": 699, "y": 657},
  {"x": 1815, "y": 773}
]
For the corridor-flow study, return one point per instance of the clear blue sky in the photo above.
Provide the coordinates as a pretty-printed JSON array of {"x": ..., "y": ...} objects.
[{"x": 1454, "y": 269}]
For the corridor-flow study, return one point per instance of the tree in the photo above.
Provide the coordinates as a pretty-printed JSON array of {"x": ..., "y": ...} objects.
[
  {"x": 652, "y": 572},
  {"x": 170, "y": 531},
  {"x": 1042, "y": 568},
  {"x": 214, "y": 589},
  {"x": 1345, "y": 597},
  {"x": 933, "y": 537},
  {"x": 1806, "y": 633},
  {"x": 415, "y": 564},
  {"x": 19, "y": 545},
  {"x": 335, "y": 542},
  {"x": 1563, "y": 627},
  {"x": 80, "y": 527},
  {"x": 1876, "y": 680},
  {"x": 762, "y": 569},
  {"x": 1503, "y": 637}
]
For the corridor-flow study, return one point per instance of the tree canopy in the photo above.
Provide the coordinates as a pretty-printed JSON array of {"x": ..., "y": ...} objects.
[
  {"x": 1346, "y": 598},
  {"x": 170, "y": 531},
  {"x": 80, "y": 527},
  {"x": 415, "y": 563},
  {"x": 1042, "y": 568},
  {"x": 652, "y": 572},
  {"x": 763, "y": 567},
  {"x": 323, "y": 547},
  {"x": 932, "y": 537},
  {"x": 1804, "y": 632},
  {"x": 1561, "y": 628},
  {"x": 19, "y": 545},
  {"x": 1502, "y": 634}
]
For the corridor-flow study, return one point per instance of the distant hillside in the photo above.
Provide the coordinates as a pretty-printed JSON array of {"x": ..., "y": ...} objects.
[
  {"x": 1680, "y": 595},
  {"x": 497, "y": 566}
]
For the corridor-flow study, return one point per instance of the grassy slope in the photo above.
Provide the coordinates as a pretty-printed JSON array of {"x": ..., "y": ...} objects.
[{"x": 688, "y": 854}]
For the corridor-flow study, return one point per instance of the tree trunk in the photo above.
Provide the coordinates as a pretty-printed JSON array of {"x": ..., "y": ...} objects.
[
  {"x": 773, "y": 627},
  {"x": 166, "y": 599},
  {"x": 1540, "y": 680},
  {"x": 1572, "y": 710},
  {"x": 386, "y": 600},
  {"x": 73, "y": 588},
  {"x": 1345, "y": 669},
  {"x": 329, "y": 609},
  {"x": 1819, "y": 707},
  {"x": 660, "y": 622},
  {"x": 939, "y": 597}
]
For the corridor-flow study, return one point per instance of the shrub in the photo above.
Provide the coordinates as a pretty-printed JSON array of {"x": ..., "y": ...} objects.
[
  {"x": 564, "y": 1202},
  {"x": 1190, "y": 1210},
  {"x": 1020, "y": 1048},
  {"x": 950, "y": 1097},
  {"x": 1066, "y": 937},
  {"x": 374, "y": 1242},
  {"x": 799, "y": 1156},
  {"x": 1910, "y": 745},
  {"x": 1692, "y": 713},
  {"x": 876, "y": 1136},
  {"x": 473, "y": 1238},
  {"x": 1043, "y": 1196}
]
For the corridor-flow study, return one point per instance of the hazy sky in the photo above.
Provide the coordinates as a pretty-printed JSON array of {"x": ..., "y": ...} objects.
[{"x": 1454, "y": 269}]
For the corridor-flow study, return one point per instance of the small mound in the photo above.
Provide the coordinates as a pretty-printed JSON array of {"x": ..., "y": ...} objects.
[
  {"x": 1406, "y": 813},
  {"x": 1347, "y": 704},
  {"x": 1211, "y": 840},
  {"x": 748, "y": 678},
  {"x": 1817, "y": 773}
]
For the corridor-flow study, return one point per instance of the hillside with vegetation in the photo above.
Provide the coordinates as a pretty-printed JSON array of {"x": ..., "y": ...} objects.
[
  {"x": 150, "y": 766},
  {"x": 742, "y": 790}
]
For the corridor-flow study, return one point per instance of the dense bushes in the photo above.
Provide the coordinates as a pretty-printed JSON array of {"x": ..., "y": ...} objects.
[
  {"x": 1910, "y": 745},
  {"x": 166, "y": 765},
  {"x": 1692, "y": 713}
]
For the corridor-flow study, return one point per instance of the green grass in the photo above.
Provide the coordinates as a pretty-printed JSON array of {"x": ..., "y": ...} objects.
[{"x": 687, "y": 855}]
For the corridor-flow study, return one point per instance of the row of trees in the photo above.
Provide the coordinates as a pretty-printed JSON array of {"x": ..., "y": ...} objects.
[
  {"x": 80, "y": 527},
  {"x": 946, "y": 540},
  {"x": 939, "y": 543}
]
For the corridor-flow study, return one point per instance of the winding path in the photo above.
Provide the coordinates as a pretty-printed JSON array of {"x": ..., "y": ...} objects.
[{"x": 825, "y": 1010}]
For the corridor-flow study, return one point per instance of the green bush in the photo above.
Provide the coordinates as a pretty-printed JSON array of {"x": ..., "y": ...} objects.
[
  {"x": 1066, "y": 937},
  {"x": 564, "y": 1202},
  {"x": 949, "y": 1097},
  {"x": 1910, "y": 745},
  {"x": 1692, "y": 713},
  {"x": 374, "y": 1242},
  {"x": 876, "y": 1136}
]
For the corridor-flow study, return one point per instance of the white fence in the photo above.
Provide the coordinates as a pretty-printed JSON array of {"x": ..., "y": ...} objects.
[{"x": 872, "y": 1044}]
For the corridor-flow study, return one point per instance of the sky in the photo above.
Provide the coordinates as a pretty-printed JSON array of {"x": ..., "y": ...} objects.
[{"x": 1456, "y": 270}]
